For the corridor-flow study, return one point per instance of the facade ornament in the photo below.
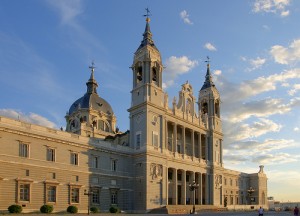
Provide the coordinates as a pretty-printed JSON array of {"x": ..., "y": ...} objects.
[
  {"x": 156, "y": 171},
  {"x": 218, "y": 181}
]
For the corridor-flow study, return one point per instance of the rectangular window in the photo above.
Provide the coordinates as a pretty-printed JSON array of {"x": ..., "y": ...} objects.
[
  {"x": 96, "y": 196},
  {"x": 51, "y": 193},
  {"x": 95, "y": 180},
  {"x": 75, "y": 178},
  {"x": 114, "y": 198},
  {"x": 50, "y": 154},
  {"x": 75, "y": 195},
  {"x": 24, "y": 192},
  {"x": 74, "y": 158},
  {"x": 155, "y": 139},
  {"x": 23, "y": 150},
  {"x": 113, "y": 165},
  {"x": 179, "y": 176},
  {"x": 138, "y": 140},
  {"x": 170, "y": 175},
  {"x": 95, "y": 161},
  {"x": 27, "y": 172}
]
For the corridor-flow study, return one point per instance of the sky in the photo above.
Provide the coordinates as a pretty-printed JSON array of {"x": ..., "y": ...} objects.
[{"x": 47, "y": 46}]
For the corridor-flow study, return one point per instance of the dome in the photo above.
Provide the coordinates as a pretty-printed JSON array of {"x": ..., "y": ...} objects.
[{"x": 92, "y": 101}]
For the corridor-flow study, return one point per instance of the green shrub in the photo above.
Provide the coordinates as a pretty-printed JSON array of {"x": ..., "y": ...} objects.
[
  {"x": 94, "y": 210},
  {"x": 114, "y": 209},
  {"x": 46, "y": 209},
  {"x": 72, "y": 209},
  {"x": 15, "y": 209}
]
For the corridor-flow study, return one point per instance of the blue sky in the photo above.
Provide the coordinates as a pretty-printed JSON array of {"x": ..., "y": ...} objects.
[{"x": 254, "y": 47}]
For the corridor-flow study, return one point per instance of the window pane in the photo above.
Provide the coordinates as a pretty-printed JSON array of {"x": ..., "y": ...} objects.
[
  {"x": 75, "y": 195},
  {"x": 51, "y": 193},
  {"x": 24, "y": 192}
]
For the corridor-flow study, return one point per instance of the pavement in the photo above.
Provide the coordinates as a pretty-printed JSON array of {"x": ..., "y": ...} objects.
[{"x": 223, "y": 213}]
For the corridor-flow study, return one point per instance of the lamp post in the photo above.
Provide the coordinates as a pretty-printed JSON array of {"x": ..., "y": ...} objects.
[
  {"x": 193, "y": 186},
  {"x": 250, "y": 192},
  {"x": 88, "y": 193}
]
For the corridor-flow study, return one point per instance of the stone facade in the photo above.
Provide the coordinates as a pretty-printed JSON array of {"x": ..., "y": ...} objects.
[{"x": 151, "y": 166}]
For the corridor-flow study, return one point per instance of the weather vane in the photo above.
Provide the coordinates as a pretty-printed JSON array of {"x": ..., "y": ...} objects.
[
  {"x": 147, "y": 13},
  {"x": 208, "y": 61}
]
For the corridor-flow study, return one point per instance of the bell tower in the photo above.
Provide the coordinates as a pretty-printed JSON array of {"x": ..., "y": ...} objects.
[
  {"x": 147, "y": 71},
  {"x": 209, "y": 109},
  {"x": 147, "y": 96}
]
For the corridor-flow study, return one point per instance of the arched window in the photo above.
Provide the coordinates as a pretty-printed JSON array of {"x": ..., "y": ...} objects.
[
  {"x": 102, "y": 125},
  {"x": 217, "y": 108},
  {"x": 154, "y": 74},
  {"x": 204, "y": 108},
  {"x": 139, "y": 74}
]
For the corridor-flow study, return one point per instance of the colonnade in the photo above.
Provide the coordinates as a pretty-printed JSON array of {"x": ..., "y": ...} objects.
[
  {"x": 186, "y": 142},
  {"x": 178, "y": 192}
]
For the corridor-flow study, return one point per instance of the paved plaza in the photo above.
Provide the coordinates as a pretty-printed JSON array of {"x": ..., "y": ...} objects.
[{"x": 225, "y": 213}]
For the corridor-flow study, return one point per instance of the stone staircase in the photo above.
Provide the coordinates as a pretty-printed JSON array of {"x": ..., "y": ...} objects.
[{"x": 185, "y": 209}]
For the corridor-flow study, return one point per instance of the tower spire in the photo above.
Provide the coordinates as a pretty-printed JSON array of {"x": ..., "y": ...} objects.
[
  {"x": 92, "y": 83},
  {"x": 147, "y": 36},
  {"x": 208, "y": 78}
]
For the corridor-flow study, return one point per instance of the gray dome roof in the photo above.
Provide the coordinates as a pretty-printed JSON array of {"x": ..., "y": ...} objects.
[{"x": 92, "y": 101}]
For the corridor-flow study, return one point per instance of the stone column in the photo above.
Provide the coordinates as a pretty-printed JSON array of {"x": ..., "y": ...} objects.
[
  {"x": 221, "y": 152},
  {"x": 174, "y": 137},
  {"x": 183, "y": 141},
  {"x": 167, "y": 186},
  {"x": 200, "y": 145},
  {"x": 192, "y": 178},
  {"x": 193, "y": 143},
  {"x": 199, "y": 188},
  {"x": 166, "y": 134},
  {"x": 175, "y": 187},
  {"x": 183, "y": 180},
  {"x": 206, "y": 147}
]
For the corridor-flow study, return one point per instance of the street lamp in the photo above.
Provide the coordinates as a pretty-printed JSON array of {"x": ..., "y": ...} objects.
[
  {"x": 250, "y": 192},
  {"x": 193, "y": 186},
  {"x": 88, "y": 193}
]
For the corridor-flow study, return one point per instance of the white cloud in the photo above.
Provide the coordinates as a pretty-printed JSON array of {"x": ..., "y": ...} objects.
[
  {"x": 31, "y": 117},
  {"x": 68, "y": 9},
  {"x": 269, "y": 151},
  {"x": 217, "y": 72},
  {"x": 259, "y": 108},
  {"x": 210, "y": 47},
  {"x": 257, "y": 63},
  {"x": 279, "y": 158},
  {"x": 185, "y": 17},
  {"x": 286, "y": 55},
  {"x": 296, "y": 129},
  {"x": 232, "y": 92},
  {"x": 240, "y": 131},
  {"x": 175, "y": 66},
  {"x": 294, "y": 90},
  {"x": 272, "y": 6},
  {"x": 285, "y": 13}
]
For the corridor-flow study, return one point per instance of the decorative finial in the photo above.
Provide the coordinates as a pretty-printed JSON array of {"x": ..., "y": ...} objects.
[
  {"x": 147, "y": 14},
  {"x": 208, "y": 60},
  {"x": 92, "y": 67}
]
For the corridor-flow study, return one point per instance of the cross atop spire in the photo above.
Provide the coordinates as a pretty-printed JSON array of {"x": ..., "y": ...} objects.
[
  {"x": 92, "y": 83},
  {"x": 208, "y": 78},
  {"x": 147, "y": 36},
  {"x": 208, "y": 61}
]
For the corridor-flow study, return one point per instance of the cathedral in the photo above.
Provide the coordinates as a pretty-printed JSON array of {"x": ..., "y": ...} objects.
[{"x": 171, "y": 158}]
